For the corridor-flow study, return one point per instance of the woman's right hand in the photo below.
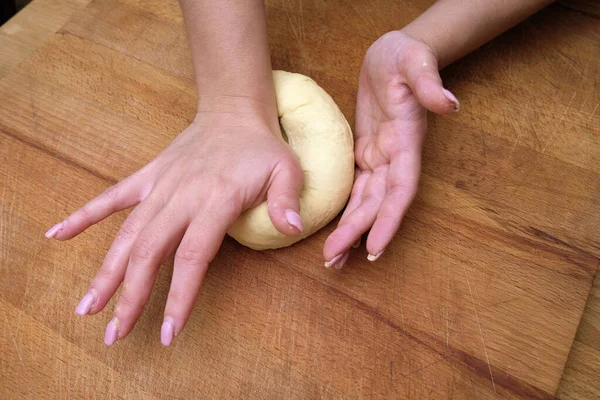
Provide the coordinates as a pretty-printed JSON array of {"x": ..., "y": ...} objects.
[{"x": 186, "y": 199}]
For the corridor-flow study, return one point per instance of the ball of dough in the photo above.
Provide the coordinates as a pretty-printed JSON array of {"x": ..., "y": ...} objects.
[{"x": 322, "y": 139}]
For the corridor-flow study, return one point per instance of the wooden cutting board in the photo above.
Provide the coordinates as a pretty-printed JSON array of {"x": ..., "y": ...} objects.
[{"x": 479, "y": 295}]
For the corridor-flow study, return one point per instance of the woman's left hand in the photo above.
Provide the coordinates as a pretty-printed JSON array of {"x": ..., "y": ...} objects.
[{"x": 398, "y": 83}]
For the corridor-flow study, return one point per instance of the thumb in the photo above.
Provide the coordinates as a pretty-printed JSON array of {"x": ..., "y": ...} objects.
[
  {"x": 423, "y": 78},
  {"x": 283, "y": 198}
]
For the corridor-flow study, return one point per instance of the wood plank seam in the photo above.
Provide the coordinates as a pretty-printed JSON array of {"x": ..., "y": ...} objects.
[
  {"x": 462, "y": 359},
  {"x": 58, "y": 156},
  {"x": 64, "y": 32},
  {"x": 519, "y": 248}
]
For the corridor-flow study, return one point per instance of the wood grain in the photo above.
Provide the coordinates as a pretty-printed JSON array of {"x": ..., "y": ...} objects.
[
  {"x": 32, "y": 27},
  {"x": 580, "y": 378},
  {"x": 479, "y": 295},
  {"x": 589, "y": 7}
]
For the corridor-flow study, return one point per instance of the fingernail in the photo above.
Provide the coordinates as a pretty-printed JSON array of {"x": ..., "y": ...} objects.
[
  {"x": 55, "y": 229},
  {"x": 333, "y": 261},
  {"x": 167, "y": 331},
  {"x": 293, "y": 218},
  {"x": 86, "y": 303},
  {"x": 356, "y": 244},
  {"x": 372, "y": 257},
  {"x": 453, "y": 99},
  {"x": 342, "y": 262},
  {"x": 112, "y": 332}
]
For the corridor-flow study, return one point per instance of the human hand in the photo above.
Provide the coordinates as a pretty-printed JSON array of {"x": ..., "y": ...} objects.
[
  {"x": 189, "y": 195},
  {"x": 398, "y": 83}
]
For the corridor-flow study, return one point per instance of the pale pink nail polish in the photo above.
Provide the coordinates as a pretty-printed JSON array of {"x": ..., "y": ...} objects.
[
  {"x": 86, "y": 303},
  {"x": 453, "y": 99},
  {"x": 167, "y": 331},
  {"x": 333, "y": 261},
  {"x": 293, "y": 219},
  {"x": 356, "y": 244},
  {"x": 342, "y": 262},
  {"x": 112, "y": 332},
  {"x": 375, "y": 257},
  {"x": 55, "y": 229}
]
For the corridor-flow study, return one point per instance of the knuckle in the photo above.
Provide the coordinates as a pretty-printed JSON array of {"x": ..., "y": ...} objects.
[
  {"x": 190, "y": 180},
  {"x": 389, "y": 214},
  {"x": 225, "y": 201},
  {"x": 224, "y": 182},
  {"x": 128, "y": 230},
  {"x": 291, "y": 164},
  {"x": 372, "y": 200},
  {"x": 143, "y": 249},
  {"x": 112, "y": 193},
  {"x": 359, "y": 214},
  {"x": 189, "y": 256},
  {"x": 182, "y": 297},
  {"x": 282, "y": 193},
  {"x": 86, "y": 211},
  {"x": 128, "y": 301},
  {"x": 403, "y": 193},
  {"x": 106, "y": 274},
  {"x": 298, "y": 177}
]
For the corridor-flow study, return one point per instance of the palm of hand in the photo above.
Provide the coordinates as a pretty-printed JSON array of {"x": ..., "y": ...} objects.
[
  {"x": 388, "y": 116},
  {"x": 394, "y": 85}
]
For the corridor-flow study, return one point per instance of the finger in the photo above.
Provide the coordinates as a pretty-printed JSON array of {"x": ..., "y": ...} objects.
[
  {"x": 402, "y": 184},
  {"x": 360, "y": 180},
  {"x": 356, "y": 196},
  {"x": 124, "y": 194},
  {"x": 359, "y": 220},
  {"x": 342, "y": 261},
  {"x": 153, "y": 245},
  {"x": 283, "y": 198},
  {"x": 349, "y": 208},
  {"x": 111, "y": 273},
  {"x": 421, "y": 70},
  {"x": 197, "y": 249}
]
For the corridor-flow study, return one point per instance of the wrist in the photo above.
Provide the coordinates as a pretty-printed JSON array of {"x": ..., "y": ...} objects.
[
  {"x": 248, "y": 84},
  {"x": 241, "y": 111},
  {"x": 246, "y": 94}
]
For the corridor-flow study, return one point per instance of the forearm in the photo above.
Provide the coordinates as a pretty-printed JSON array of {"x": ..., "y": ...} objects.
[
  {"x": 454, "y": 28},
  {"x": 230, "y": 52}
]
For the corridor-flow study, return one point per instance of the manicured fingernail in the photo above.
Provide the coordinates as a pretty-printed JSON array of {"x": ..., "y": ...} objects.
[
  {"x": 356, "y": 244},
  {"x": 342, "y": 262},
  {"x": 55, "y": 229},
  {"x": 86, "y": 303},
  {"x": 453, "y": 99},
  {"x": 293, "y": 218},
  {"x": 112, "y": 332},
  {"x": 372, "y": 257},
  {"x": 167, "y": 331},
  {"x": 333, "y": 261}
]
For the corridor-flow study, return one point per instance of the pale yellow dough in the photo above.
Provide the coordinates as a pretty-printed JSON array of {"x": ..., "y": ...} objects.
[{"x": 321, "y": 137}]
